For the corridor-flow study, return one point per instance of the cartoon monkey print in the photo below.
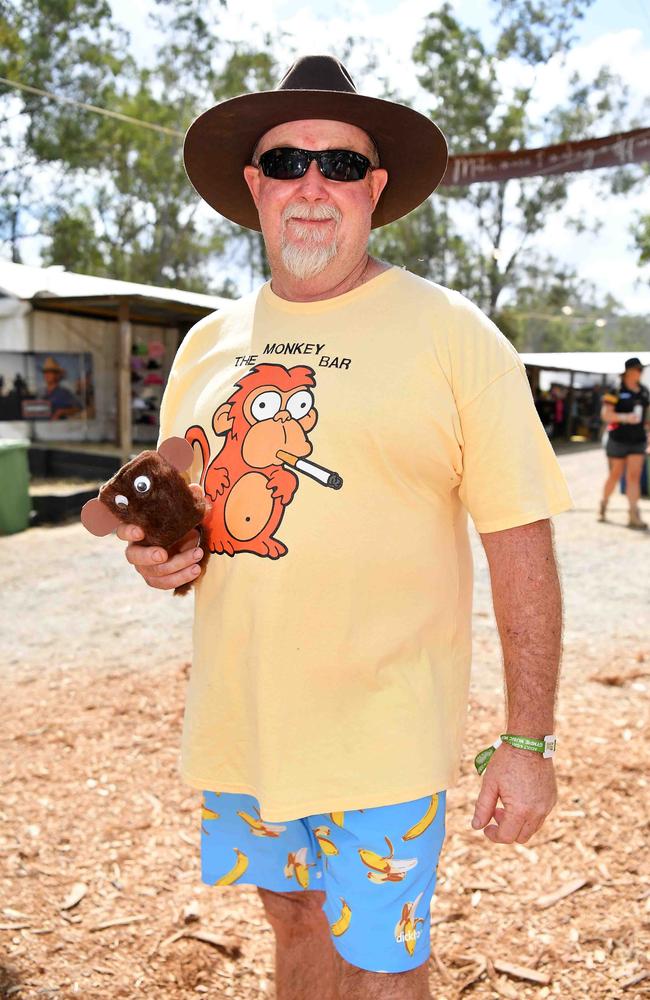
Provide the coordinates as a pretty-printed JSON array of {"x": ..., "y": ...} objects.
[{"x": 271, "y": 411}]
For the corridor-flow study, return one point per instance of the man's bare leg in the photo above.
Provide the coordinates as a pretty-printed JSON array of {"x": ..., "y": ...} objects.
[
  {"x": 304, "y": 954},
  {"x": 359, "y": 984}
]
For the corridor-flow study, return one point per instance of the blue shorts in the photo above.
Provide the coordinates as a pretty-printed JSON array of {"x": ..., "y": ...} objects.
[{"x": 377, "y": 868}]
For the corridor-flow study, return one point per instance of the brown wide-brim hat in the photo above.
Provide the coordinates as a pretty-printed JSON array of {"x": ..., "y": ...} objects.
[
  {"x": 50, "y": 365},
  {"x": 220, "y": 142}
]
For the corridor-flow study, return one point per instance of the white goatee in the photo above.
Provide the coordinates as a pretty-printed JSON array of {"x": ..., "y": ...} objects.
[{"x": 310, "y": 257}]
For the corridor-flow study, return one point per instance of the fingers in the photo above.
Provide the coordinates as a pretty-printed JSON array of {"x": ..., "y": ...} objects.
[
  {"x": 161, "y": 569},
  {"x": 130, "y": 533},
  {"x": 485, "y": 805},
  {"x": 145, "y": 556},
  {"x": 188, "y": 541},
  {"x": 506, "y": 829},
  {"x": 529, "y": 829},
  {"x": 173, "y": 570},
  {"x": 177, "y": 575},
  {"x": 510, "y": 826}
]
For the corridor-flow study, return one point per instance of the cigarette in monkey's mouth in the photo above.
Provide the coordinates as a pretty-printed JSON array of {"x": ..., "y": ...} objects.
[{"x": 317, "y": 472}]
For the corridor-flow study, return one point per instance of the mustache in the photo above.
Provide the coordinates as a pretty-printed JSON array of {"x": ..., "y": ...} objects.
[{"x": 299, "y": 210}]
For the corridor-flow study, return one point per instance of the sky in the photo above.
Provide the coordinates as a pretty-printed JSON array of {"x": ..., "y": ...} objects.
[{"x": 615, "y": 33}]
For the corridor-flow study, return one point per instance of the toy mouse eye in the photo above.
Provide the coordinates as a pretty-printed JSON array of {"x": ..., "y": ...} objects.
[
  {"x": 121, "y": 501},
  {"x": 142, "y": 484}
]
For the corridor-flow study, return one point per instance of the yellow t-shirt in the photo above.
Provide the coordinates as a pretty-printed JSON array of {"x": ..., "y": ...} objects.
[{"x": 332, "y": 625}]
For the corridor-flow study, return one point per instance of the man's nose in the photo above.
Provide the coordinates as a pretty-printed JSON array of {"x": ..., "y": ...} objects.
[
  {"x": 282, "y": 415},
  {"x": 312, "y": 183}
]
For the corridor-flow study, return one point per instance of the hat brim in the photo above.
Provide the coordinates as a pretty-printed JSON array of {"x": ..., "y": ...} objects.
[{"x": 220, "y": 142}]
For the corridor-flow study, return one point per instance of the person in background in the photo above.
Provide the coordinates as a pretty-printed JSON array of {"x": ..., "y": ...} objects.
[
  {"x": 63, "y": 402},
  {"x": 625, "y": 414}
]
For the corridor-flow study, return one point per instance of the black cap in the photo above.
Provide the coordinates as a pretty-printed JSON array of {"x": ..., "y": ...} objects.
[{"x": 633, "y": 363}]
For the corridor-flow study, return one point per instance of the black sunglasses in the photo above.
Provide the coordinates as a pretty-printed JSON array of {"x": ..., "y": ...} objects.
[{"x": 287, "y": 163}]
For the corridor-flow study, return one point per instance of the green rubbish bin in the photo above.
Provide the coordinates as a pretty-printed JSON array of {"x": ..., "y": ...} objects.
[{"x": 14, "y": 487}]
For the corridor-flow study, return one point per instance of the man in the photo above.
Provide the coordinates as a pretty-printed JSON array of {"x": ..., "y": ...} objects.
[
  {"x": 63, "y": 403},
  {"x": 329, "y": 685}
]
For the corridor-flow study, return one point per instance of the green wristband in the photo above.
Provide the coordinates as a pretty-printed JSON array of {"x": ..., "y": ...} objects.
[{"x": 546, "y": 747}]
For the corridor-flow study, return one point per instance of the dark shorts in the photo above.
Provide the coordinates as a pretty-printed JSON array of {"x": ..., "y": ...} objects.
[{"x": 621, "y": 449}]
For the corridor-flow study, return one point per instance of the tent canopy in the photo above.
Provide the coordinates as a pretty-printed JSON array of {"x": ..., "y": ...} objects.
[
  {"x": 57, "y": 290},
  {"x": 592, "y": 362}
]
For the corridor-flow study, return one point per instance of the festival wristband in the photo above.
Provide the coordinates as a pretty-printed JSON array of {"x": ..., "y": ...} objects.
[{"x": 546, "y": 747}]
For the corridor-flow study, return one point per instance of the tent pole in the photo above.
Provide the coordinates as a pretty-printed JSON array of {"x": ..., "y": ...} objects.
[{"x": 125, "y": 335}]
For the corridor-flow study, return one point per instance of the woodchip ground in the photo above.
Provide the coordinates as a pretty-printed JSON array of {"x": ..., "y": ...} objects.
[{"x": 100, "y": 892}]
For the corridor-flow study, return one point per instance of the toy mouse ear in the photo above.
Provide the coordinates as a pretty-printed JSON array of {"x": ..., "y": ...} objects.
[
  {"x": 97, "y": 518},
  {"x": 178, "y": 452}
]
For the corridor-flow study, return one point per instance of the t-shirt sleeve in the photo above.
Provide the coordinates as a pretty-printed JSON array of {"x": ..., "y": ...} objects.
[
  {"x": 510, "y": 475},
  {"x": 166, "y": 413},
  {"x": 610, "y": 397}
]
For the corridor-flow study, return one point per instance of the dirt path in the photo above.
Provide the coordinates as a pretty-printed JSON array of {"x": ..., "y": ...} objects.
[{"x": 94, "y": 668}]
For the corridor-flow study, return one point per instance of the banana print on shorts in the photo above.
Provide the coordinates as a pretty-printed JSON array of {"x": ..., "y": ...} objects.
[
  {"x": 236, "y": 871},
  {"x": 322, "y": 835},
  {"x": 407, "y": 930},
  {"x": 341, "y": 925},
  {"x": 258, "y": 827},
  {"x": 297, "y": 867},
  {"x": 388, "y": 868},
  {"x": 424, "y": 823},
  {"x": 207, "y": 813}
]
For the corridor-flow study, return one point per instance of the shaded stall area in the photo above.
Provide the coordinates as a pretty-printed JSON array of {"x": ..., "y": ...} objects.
[
  {"x": 567, "y": 387},
  {"x": 83, "y": 365}
]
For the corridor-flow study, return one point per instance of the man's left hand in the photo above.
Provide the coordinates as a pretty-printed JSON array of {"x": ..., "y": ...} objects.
[{"x": 525, "y": 783}]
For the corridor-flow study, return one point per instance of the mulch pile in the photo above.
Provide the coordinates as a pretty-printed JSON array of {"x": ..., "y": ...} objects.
[{"x": 100, "y": 888}]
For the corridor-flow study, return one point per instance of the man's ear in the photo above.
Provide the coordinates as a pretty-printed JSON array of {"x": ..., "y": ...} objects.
[
  {"x": 252, "y": 178},
  {"x": 378, "y": 181}
]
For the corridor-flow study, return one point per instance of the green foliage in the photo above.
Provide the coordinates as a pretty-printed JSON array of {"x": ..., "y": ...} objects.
[
  {"x": 478, "y": 114},
  {"x": 73, "y": 239},
  {"x": 554, "y": 310},
  {"x": 122, "y": 206},
  {"x": 535, "y": 30},
  {"x": 641, "y": 233}
]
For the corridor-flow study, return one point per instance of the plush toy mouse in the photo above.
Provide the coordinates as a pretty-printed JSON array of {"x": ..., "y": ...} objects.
[{"x": 149, "y": 491}]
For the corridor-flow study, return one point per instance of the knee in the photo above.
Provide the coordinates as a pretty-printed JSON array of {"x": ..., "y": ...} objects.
[
  {"x": 355, "y": 982},
  {"x": 293, "y": 912}
]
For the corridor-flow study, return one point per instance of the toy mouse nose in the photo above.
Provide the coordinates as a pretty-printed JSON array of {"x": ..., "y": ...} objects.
[{"x": 121, "y": 500}]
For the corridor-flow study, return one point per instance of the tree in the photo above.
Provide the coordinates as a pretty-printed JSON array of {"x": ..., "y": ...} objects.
[
  {"x": 553, "y": 310},
  {"x": 535, "y": 31},
  {"x": 641, "y": 233},
  {"x": 70, "y": 45},
  {"x": 122, "y": 205},
  {"x": 481, "y": 235}
]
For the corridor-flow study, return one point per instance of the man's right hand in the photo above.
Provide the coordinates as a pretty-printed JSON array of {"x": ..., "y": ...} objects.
[{"x": 161, "y": 569}]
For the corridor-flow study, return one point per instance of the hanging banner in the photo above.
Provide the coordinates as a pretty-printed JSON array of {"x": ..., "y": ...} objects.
[{"x": 565, "y": 158}]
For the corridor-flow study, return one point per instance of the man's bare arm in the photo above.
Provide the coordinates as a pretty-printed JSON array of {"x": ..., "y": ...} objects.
[{"x": 528, "y": 609}]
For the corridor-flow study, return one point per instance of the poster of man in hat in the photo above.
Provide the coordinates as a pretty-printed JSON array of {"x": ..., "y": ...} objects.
[
  {"x": 62, "y": 401},
  {"x": 45, "y": 386}
]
